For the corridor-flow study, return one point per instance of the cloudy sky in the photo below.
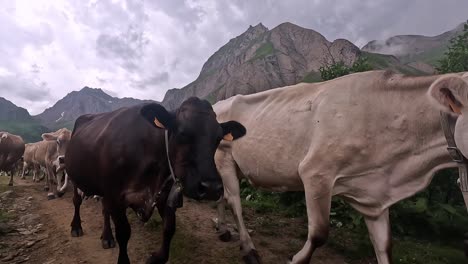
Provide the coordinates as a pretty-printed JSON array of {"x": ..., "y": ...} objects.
[{"x": 140, "y": 49}]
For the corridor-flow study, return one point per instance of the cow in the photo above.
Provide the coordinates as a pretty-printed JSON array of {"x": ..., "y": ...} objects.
[
  {"x": 372, "y": 138},
  {"x": 29, "y": 163},
  {"x": 11, "y": 151},
  {"x": 126, "y": 157},
  {"x": 50, "y": 154}
]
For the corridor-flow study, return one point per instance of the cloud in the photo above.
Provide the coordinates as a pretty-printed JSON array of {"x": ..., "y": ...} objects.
[
  {"x": 158, "y": 78},
  {"x": 141, "y": 49}
]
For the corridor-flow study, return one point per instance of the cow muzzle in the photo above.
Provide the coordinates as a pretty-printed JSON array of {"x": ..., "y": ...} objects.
[{"x": 61, "y": 160}]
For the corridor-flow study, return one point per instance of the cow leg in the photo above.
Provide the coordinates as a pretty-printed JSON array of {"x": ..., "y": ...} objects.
[
  {"x": 224, "y": 233},
  {"x": 318, "y": 202},
  {"x": 169, "y": 226},
  {"x": 46, "y": 184},
  {"x": 76, "y": 230},
  {"x": 61, "y": 190},
  {"x": 43, "y": 175},
  {"x": 50, "y": 176},
  {"x": 227, "y": 169},
  {"x": 122, "y": 233},
  {"x": 12, "y": 172},
  {"x": 25, "y": 165},
  {"x": 249, "y": 253},
  {"x": 380, "y": 235},
  {"x": 107, "y": 239}
]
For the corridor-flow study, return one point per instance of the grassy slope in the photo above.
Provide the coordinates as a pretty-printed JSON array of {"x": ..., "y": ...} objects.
[{"x": 30, "y": 130}]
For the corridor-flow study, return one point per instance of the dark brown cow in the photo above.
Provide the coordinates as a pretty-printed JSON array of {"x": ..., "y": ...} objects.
[
  {"x": 11, "y": 151},
  {"x": 121, "y": 156}
]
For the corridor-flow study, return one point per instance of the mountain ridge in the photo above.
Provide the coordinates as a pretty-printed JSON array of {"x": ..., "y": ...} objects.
[{"x": 85, "y": 101}]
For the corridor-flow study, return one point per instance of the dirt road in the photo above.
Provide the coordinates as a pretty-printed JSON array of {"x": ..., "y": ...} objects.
[{"x": 38, "y": 231}]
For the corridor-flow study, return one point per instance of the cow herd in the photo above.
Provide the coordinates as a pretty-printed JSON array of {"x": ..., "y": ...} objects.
[{"x": 372, "y": 138}]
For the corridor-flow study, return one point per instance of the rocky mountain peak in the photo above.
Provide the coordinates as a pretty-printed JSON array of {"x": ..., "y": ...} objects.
[
  {"x": 11, "y": 112},
  {"x": 260, "y": 59},
  {"x": 85, "y": 101}
]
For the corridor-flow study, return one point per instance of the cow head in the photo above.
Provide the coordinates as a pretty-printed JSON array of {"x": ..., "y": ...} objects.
[
  {"x": 450, "y": 94},
  {"x": 62, "y": 138},
  {"x": 3, "y": 136},
  {"x": 194, "y": 137}
]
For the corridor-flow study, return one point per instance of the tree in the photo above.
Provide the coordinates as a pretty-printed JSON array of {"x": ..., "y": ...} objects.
[
  {"x": 338, "y": 69},
  {"x": 456, "y": 57}
]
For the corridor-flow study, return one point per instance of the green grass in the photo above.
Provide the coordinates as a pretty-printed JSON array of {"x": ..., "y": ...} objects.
[
  {"x": 264, "y": 50},
  {"x": 185, "y": 246},
  {"x": 29, "y": 131},
  {"x": 63, "y": 124},
  {"x": 382, "y": 61},
  {"x": 431, "y": 56},
  {"x": 355, "y": 245},
  {"x": 312, "y": 77},
  {"x": 379, "y": 61}
]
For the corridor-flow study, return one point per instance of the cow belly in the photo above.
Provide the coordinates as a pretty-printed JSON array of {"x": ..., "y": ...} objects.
[{"x": 267, "y": 170}]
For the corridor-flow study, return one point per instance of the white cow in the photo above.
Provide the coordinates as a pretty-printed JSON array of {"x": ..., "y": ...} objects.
[{"x": 372, "y": 138}]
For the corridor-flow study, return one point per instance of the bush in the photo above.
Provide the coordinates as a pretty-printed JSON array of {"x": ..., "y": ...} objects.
[
  {"x": 456, "y": 57},
  {"x": 338, "y": 69}
]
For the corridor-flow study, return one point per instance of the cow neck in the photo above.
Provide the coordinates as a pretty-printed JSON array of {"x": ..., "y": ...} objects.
[{"x": 447, "y": 121}]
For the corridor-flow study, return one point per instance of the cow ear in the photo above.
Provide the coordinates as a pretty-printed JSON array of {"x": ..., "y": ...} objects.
[
  {"x": 232, "y": 130},
  {"x": 49, "y": 136},
  {"x": 157, "y": 115},
  {"x": 449, "y": 93}
]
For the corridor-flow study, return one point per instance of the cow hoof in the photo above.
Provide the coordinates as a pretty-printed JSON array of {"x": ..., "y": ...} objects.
[
  {"x": 60, "y": 194},
  {"x": 225, "y": 236},
  {"x": 77, "y": 232},
  {"x": 155, "y": 260},
  {"x": 50, "y": 196},
  {"x": 46, "y": 189},
  {"x": 106, "y": 244},
  {"x": 252, "y": 257}
]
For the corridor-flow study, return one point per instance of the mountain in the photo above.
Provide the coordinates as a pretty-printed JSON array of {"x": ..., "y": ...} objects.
[
  {"x": 421, "y": 52},
  {"x": 18, "y": 121},
  {"x": 11, "y": 112},
  {"x": 261, "y": 59},
  {"x": 86, "y": 101}
]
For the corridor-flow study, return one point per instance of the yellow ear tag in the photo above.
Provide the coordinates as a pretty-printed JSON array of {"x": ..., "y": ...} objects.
[
  {"x": 228, "y": 137},
  {"x": 157, "y": 123}
]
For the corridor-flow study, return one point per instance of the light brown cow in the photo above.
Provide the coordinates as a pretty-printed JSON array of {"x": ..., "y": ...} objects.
[
  {"x": 50, "y": 154},
  {"x": 372, "y": 138},
  {"x": 11, "y": 150},
  {"x": 29, "y": 162}
]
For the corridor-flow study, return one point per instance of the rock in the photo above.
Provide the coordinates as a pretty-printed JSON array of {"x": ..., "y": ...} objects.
[
  {"x": 29, "y": 198},
  {"x": 5, "y": 228},
  {"x": 10, "y": 256},
  {"x": 23, "y": 260},
  {"x": 29, "y": 219},
  {"x": 30, "y": 244},
  {"x": 41, "y": 237},
  {"x": 6, "y": 194}
]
